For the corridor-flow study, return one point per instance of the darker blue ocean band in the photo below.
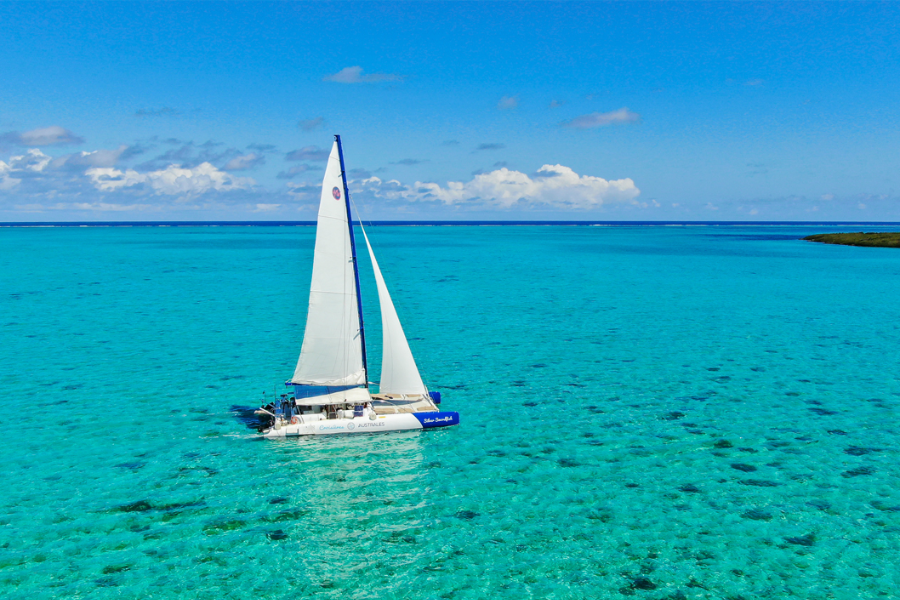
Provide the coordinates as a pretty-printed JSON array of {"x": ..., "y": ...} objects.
[{"x": 455, "y": 223}]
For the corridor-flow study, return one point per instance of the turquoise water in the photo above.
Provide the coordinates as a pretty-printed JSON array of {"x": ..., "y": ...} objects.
[{"x": 658, "y": 412}]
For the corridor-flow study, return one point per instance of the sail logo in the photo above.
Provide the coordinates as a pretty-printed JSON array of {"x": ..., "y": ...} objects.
[
  {"x": 336, "y": 192},
  {"x": 350, "y": 426}
]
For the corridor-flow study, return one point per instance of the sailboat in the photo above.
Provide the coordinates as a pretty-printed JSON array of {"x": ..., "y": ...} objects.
[{"x": 330, "y": 386}]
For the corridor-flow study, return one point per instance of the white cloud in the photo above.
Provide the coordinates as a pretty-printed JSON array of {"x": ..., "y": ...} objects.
[
  {"x": 173, "y": 180},
  {"x": 590, "y": 121},
  {"x": 861, "y": 206},
  {"x": 45, "y": 136},
  {"x": 827, "y": 197},
  {"x": 266, "y": 207},
  {"x": 247, "y": 161},
  {"x": 97, "y": 158},
  {"x": 508, "y": 102},
  {"x": 552, "y": 185},
  {"x": 33, "y": 161},
  {"x": 355, "y": 75},
  {"x": 6, "y": 182},
  {"x": 189, "y": 155},
  {"x": 108, "y": 207},
  {"x": 83, "y": 206}
]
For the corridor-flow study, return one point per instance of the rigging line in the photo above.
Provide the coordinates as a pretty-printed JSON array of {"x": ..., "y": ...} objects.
[{"x": 359, "y": 213}]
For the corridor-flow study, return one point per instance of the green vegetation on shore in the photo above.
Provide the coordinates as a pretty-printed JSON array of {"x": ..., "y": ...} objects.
[{"x": 882, "y": 239}]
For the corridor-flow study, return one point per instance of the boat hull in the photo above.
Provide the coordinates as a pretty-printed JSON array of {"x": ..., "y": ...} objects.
[{"x": 380, "y": 424}]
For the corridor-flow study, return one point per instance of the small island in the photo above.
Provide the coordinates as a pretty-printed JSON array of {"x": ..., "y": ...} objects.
[{"x": 884, "y": 239}]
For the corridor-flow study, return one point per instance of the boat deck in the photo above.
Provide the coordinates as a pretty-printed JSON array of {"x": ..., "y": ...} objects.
[{"x": 392, "y": 404}]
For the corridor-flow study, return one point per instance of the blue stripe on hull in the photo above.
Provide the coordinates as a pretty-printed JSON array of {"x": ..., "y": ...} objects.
[{"x": 437, "y": 419}]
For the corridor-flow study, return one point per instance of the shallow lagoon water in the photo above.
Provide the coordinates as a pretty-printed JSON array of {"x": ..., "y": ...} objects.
[{"x": 657, "y": 412}]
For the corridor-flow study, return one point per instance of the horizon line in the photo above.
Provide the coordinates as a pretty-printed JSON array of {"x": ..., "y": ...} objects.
[{"x": 187, "y": 223}]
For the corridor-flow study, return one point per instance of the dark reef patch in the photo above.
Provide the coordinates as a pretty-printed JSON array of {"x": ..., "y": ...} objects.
[
  {"x": 860, "y": 450},
  {"x": 284, "y": 515},
  {"x": 803, "y": 540},
  {"x": 757, "y": 514},
  {"x": 743, "y": 467},
  {"x": 139, "y": 506},
  {"x": 223, "y": 526},
  {"x": 759, "y": 482},
  {"x": 133, "y": 466},
  {"x": 642, "y": 583},
  {"x": 858, "y": 472},
  {"x": 110, "y": 569}
]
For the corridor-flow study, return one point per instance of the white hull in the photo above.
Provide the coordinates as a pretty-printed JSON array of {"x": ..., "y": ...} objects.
[{"x": 365, "y": 424}]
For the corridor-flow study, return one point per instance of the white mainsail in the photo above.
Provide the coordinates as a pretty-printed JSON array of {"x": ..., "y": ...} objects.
[
  {"x": 331, "y": 354},
  {"x": 399, "y": 374}
]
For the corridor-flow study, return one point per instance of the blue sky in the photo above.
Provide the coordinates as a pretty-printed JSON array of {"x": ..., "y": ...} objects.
[{"x": 613, "y": 111}]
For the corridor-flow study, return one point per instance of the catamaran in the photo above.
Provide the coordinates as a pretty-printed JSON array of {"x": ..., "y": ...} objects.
[{"x": 330, "y": 386}]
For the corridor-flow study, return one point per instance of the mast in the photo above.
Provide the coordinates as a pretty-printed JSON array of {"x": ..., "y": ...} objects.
[{"x": 362, "y": 334}]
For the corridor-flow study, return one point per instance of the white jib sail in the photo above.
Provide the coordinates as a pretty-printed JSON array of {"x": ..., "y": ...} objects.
[
  {"x": 331, "y": 354},
  {"x": 399, "y": 374}
]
